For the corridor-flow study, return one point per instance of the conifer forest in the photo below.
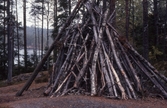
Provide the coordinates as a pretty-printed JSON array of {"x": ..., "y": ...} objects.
[{"x": 113, "y": 48}]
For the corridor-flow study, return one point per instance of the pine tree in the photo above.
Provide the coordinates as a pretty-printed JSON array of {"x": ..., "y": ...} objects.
[
  {"x": 145, "y": 29},
  {"x": 127, "y": 18},
  {"x": 3, "y": 50},
  {"x": 112, "y": 9},
  {"x": 17, "y": 35},
  {"x": 25, "y": 35},
  {"x": 10, "y": 41}
]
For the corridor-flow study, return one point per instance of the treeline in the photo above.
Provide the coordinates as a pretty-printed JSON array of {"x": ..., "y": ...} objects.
[
  {"x": 142, "y": 22},
  {"x": 31, "y": 38}
]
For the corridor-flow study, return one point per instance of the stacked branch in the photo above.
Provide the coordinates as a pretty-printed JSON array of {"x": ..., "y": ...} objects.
[{"x": 95, "y": 60}]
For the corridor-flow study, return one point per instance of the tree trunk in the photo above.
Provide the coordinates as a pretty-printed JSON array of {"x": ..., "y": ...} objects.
[
  {"x": 164, "y": 48},
  {"x": 112, "y": 9},
  {"x": 133, "y": 21},
  {"x": 48, "y": 33},
  {"x": 42, "y": 29},
  {"x": 55, "y": 27},
  {"x": 36, "y": 39},
  {"x": 39, "y": 47},
  {"x": 127, "y": 18},
  {"x": 156, "y": 21},
  {"x": 104, "y": 5},
  {"x": 4, "y": 38},
  {"x": 145, "y": 29},
  {"x": 69, "y": 5},
  {"x": 18, "y": 40},
  {"x": 25, "y": 35},
  {"x": 10, "y": 40}
]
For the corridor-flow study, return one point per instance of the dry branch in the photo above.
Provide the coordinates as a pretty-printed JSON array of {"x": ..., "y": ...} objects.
[{"x": 95, "y": 60}]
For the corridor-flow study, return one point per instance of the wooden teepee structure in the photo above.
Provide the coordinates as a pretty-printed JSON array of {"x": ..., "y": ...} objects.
[{"x": 95, "y": 60}]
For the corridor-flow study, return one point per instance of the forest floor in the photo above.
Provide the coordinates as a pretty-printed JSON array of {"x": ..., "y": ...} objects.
[{"x": 33, "y": 98}]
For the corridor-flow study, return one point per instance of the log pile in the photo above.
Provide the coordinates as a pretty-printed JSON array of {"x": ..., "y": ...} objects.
[{"x": 94, "y": 59}]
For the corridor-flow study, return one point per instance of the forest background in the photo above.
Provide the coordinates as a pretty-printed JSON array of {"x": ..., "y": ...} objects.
[{"x": 142, "y": 22}]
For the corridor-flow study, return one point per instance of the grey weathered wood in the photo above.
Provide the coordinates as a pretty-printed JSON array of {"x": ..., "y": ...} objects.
[
  {"x": 119, "y": 63},
  {"x": 38, "y": 68},
  {"x": 138, "y": 83},
  {"x": 106, "y": 74},
  {"x": 95, "y": 60}
]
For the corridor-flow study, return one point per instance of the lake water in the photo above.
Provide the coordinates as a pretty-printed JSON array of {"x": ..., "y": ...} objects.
[{"x": 29, "y": 53}]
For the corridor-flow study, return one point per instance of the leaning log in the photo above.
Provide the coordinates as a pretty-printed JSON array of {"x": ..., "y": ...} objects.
[
  {"x": 94, "y": 59},
  {"x": 37, "y": 69}
]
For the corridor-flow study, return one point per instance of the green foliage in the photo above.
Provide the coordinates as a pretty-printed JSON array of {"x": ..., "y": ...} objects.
[
  {"x": 30, "y": 66},
  {"x": 135, "y": 13},
  {"x": 161, "y": 67},
  {"x": 154, "y": 53},
  {"x": 62, "y": 10},
  {"x": 63, "y": 4}
]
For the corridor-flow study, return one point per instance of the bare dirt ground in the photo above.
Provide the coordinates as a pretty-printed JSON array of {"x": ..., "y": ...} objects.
[{"x": 33, "y": 98}]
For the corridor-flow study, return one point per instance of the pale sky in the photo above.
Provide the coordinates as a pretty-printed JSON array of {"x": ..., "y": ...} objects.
[
  {"x": 20, "y": 13},
  {"x": 30, "y": 19}
]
